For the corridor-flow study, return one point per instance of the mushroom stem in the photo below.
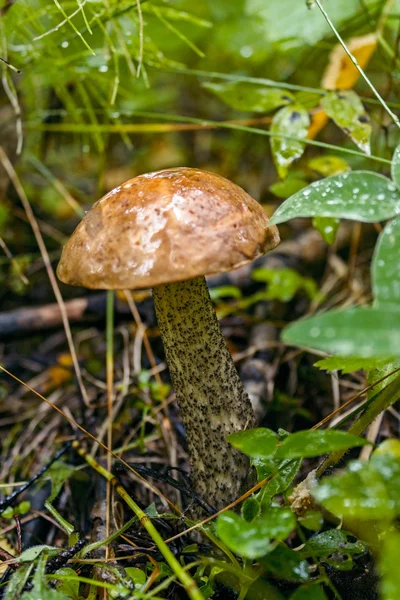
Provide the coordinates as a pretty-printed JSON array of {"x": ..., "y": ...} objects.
[{"x": 210, "y": 395}]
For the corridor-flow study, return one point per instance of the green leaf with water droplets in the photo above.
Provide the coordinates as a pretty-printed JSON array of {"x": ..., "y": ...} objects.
[
  {"x": 253, "y": 540},
  {"x": 346, "y": 109},
  {"x": 366, "y": 332},
  {"x": 336, "y": 548},
  {"x": 365, "y": 490},
  {"x": 386, "y": 266},
  {"x": 310, "y": 443},
  {"x": 247, "y": 97},
  {"x": 357, "y": 195},
  {"x": 292, "y": 121},
  {"x": 395, "y": 167},
  {"x": 327, "y": 226}
]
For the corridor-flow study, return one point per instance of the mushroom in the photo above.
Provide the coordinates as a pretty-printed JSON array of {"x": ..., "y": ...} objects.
[{"x": 167, "y": 230}]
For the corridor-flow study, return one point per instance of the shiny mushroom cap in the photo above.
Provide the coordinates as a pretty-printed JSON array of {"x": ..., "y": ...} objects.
[{"x": 163, "y": 227}]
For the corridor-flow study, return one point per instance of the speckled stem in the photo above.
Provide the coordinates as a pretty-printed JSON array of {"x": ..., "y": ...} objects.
[{"x": 210, "y": 394}]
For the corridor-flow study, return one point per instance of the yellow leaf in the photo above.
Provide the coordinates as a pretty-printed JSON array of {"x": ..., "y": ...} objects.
[{"x": 341, "y": 74}]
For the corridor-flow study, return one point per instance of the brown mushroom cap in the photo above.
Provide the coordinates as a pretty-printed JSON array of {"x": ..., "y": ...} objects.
[{"x": 163, "y": 227}]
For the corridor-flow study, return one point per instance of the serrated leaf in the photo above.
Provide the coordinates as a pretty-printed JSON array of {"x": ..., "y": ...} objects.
[
  {"x": 395, "y": 167},
  {"x": 349, "y": 364},
  {"x": 385, "y": 271},
  {"x": 253, "y": 540},
  {"x": 34, "y": 552},
  {"x": 365, "y": 490},
  {"x": 309, "y": 443},
  {"x": 248, "y": 97},
  {"x": 387, "y": 372},
  {"x": 259, "y": 442},
  {"x": 291, "y": 121},
  {"x": 368, "y": 332},
  {"x": 335, "y": 540},
  {"x": 346, "y": 109},
  {"x": 327, "y": 226},
  {"x": 358, "y": 195}
]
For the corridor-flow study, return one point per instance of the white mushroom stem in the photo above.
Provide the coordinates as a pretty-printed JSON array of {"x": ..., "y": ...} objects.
[{"x": 210, "y": 395}]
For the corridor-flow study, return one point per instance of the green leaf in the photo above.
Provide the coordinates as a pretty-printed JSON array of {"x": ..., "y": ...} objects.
[
  {"x": 312, "y": 520},
  {"x": 40, "y": 590},
  {"x": 368, "y": 332},
  {"x": 69, "y": 587},
  {"x": 251, "y": 509},
  {"x": 385, "y": 270},
  {"x": 285, "y": 563},
  {"x": 138, "y": 576},
  {"x": 59, "y": 472},
  {"x": 283, "y": 284},
  {"x": 346, "y": 109},
  {"x": 248, "y": 97},
  {"x": 389, "y": 567},
  {"x": 225, "y": 291},
  {"x": 252, "y": 540},
  {"x": 313, "y": 591},
  {"x": 291, "y": 121},
  {"x": 291, "y": 185},
  {"x": 365, "y": 490},
  {"x": 358, "y": 195},
  {"x": 336, "y": 547},
  {"x": 382, "y": 372},
  {"x": 327, "y": 226},
  {"x": 33, "y": 552},
  {"x": 328, "y": 165},
  {"x": 259, "y": 442},
  {"x": 311, "y": 443},
  {"x": 395, "y": 167},
  {"x": 284, "y": 472},
  {"x": 349, "y": 364}
]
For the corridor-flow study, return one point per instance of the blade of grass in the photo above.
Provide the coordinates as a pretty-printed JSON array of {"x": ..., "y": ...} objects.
[
  {"x": 156, "y": 128},
  {"x": 110, "y": 398},
  {"x": 76, "y": 30}
]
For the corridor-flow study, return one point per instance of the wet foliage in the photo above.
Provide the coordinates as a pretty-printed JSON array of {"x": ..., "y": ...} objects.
[{"x": 296, "y": 102}]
